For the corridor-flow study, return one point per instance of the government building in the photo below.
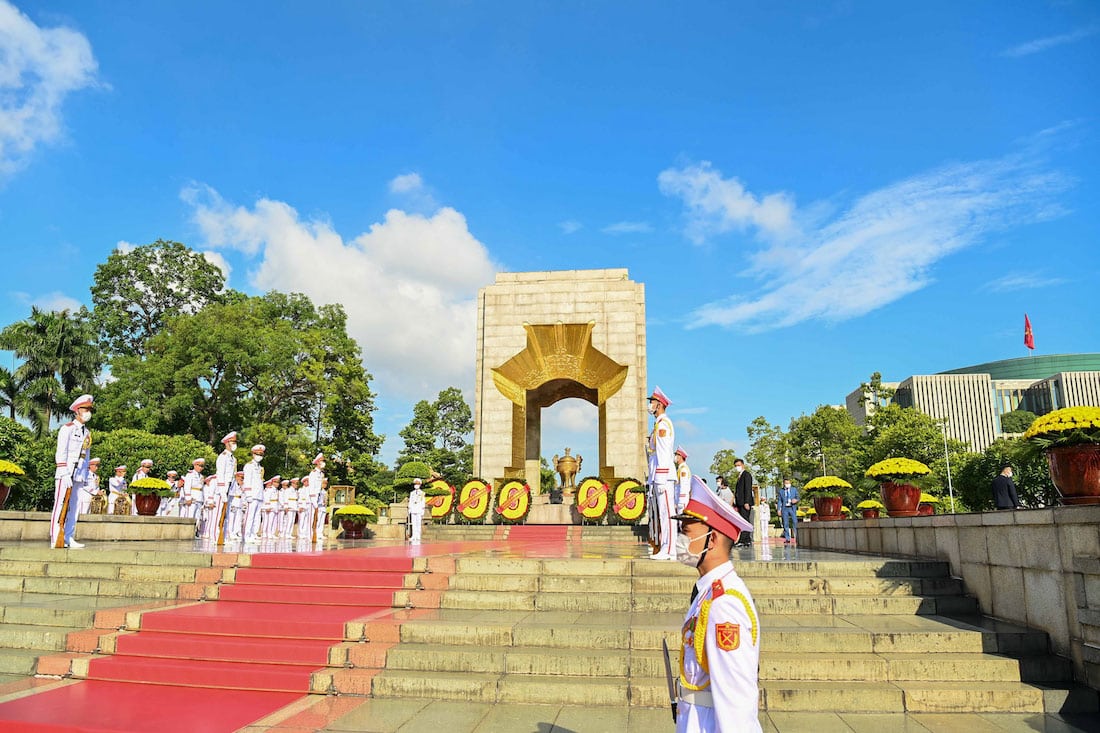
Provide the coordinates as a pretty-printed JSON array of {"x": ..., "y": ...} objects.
[{"x": 974, "y": 398}]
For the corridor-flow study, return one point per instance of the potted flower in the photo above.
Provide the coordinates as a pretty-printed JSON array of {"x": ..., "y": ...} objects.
[
  {"x": 10, "y": 475},
  {"x": 353, "y": 518},
  {"x": 870, "y": 508},
  {"x": 147, "y": 493},
  {"x": 896, "y": 477},
  {"x": 810, "y": 514},
  {"x": 1071, "y": 440},
  {"x": 927, "y": 504},
  {"x": 826, "y": 494}
]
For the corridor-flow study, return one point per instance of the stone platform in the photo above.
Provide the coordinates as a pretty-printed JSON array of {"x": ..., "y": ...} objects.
[{"x": 35, "y": 526}]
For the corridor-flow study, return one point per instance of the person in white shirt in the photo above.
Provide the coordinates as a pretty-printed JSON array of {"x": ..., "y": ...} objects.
[
  {"x": 416, "y": 511},
  {"x": 91, "y": 487}
]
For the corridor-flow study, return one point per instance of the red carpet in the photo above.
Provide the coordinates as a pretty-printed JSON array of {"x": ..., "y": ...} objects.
[{"x": 219, "y": 665}]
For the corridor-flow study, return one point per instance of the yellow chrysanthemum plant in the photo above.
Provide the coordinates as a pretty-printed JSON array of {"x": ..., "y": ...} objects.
[
  {"x": 826, "y": 486},
  {"x": 870, "y": 504},
  {"x": 9, "y": 470},
  {"x": 897, "y": 471},
  {"x": 354, "y": 512},
  {"x": 149, "y": 485},
  {"x": 1068, "y": 426}
]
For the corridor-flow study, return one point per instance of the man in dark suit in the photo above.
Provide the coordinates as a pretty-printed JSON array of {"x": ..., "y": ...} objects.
[
  {"x": 1004, "y": 489},
  {"x": 742, "y": 500}
]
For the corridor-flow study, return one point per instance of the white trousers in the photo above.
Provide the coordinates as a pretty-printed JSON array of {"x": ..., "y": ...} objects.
[
  {"x": 252, "y": 518},
  {"x": 305, "y": 523},
  {"x": 85, "y": 503},
  {"x": 416, "y": 521},
  {"x": 66, "y": 500},
  {"x": 666, "y": 506}
]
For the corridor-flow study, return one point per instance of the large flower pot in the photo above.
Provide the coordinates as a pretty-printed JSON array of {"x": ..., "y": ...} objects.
[
  {"x": 147, "y": 504},
  {"x": 353, "y": 529},
  {"x": 1075, "y": 471},
  {"x": 870, "y": 513},
  {"x": 901, "y": 500},
  {"x": 828, "y": 508},
  {"x": 925, "y": 509}
]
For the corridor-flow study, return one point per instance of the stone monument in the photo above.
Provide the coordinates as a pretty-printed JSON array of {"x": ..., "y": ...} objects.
[{"x": 547, "y": 336}]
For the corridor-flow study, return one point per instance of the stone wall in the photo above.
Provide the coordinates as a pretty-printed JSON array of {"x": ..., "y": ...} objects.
[{"x": 1039, "y": 568}]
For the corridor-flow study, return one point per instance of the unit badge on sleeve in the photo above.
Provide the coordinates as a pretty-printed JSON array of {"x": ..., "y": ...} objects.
[{"x": 728, "y": 636}]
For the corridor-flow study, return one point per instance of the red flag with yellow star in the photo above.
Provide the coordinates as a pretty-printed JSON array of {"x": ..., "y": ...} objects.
[{"x": 1029, "y": 338}]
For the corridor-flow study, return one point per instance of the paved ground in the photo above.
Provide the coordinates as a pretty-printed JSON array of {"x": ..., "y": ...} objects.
[{"x": 345, "y": 714}]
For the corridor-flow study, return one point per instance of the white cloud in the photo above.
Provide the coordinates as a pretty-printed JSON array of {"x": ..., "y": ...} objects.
[
  {"x": 53, "y": 301},
  {"x": 628, "y": 227},
  {"x": 39, "y": 67},
  {"x": 883, "y": 246},
  {"x": 406, "y": 182},
  {"x": 570, "y": 226},
  {"x": 1042, "y": 44},
  {"x": 571, "y": 415},
  {"x": 1022, "y": 281},
  {"x": 716, "y": 205},
  {"x": 408, "y": 285},
  {"x": 218, "y": 261},
  {"x": 125, "y": 247}
]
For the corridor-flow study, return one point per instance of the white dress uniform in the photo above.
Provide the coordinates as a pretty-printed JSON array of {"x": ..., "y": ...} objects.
[
  {"x": 116, "y": 486},
  {"x": 74, "y": 445},
  {"x": 320, "y": 502},
  {"x": 269, "y": 510},
  {"x": 307, "y": 502},
  {"x": 225, "y": 469},
  {"x": 234, "y": 518},
  {"x": 208, "y": 513},
  {"x": 416, "y": 513},
  {"x": 662, "y": 478},
  {"x": 683, "y": 485},
  {"x": 252, "y": 494},
  {"x": 719, "y": 657},
  {"x": 91, "y": 488},
  {"x": 290, "y": 509}
]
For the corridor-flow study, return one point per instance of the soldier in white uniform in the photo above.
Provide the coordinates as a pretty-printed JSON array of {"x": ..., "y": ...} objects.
[
  {"x": 416, "y": 511},
  {"x": 288, "y": 498},
  {"x": 143, "y": 472},
  {"x": 307, "y": 502},
  {"x": 234, "y": 518},
  {"x": 208, "y": 517},
  {"x": 253, "y": 493},
  {"x": 318, "y": 485},
  {"x": 169, "y": 505},
  {"x": 74, "y": 445},
  {"x": 269, "y": 511},
  {"x": 191, "y": 495},
  {"x": 117, "y": 487},
  {"x": 683, "y": 479},
  {"x": 91, "y": 486},
  {"x": 662, "y": 478},
  {"x": 224, "y": 471},
  {"x": 720, "y": 638}
]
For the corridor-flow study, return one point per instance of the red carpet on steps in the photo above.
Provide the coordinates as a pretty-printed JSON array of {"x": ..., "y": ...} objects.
[{"x": 219, "y": 665}]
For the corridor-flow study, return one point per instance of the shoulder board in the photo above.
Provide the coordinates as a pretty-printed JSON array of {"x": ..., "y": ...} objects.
[{"x": 717, "y": 590}]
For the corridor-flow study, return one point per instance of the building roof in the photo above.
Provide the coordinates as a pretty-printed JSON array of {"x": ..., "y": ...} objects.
[{"x": 1033, "y": 367}]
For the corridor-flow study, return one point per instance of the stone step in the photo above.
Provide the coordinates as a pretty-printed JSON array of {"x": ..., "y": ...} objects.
[
  {"x": 29, "y": 553},
  {"x": 101, "y": 587},
  {"x": 104, "y": 571},
  {"x": 20, "y": 661},
  {"x": 491, "y": 688},
  {"x": 813, "y": 586},
  {"x": 28, "y": 636}
]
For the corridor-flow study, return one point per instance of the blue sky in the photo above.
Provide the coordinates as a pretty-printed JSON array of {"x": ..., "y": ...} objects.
[{"x": 809, "y": 191}]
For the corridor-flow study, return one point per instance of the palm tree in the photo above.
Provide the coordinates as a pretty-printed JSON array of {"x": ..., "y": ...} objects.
[
  {"x": 60, "y": 358},
  {"x": 9, "y": 391}
]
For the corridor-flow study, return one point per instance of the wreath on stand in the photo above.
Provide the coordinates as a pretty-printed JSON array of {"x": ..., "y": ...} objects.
[
  {"x": 440, "y": 500},
  {"x": 513, "y": 503},
  {"x": 627, "y": 502},
  {"x": 592, "y": 500},
  {"x": 473, "y": 501}
]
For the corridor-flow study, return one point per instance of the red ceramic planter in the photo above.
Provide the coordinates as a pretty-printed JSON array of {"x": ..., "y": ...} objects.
[
  {"x": 828, "y": 508},
  {"x": 1075, "y": 471},
  {"x": 147, "y": 504},
  {"x": 901, "y": 500},
  {"x": 870, "y": 513},
  {"x": 925, "y": 509}
]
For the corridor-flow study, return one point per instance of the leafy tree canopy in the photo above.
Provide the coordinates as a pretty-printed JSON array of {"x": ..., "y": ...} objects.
[
  {"x": 136, "y": 292},
  {"x": 438, "y": 435},
  {"x": 1017, "y": 421}
]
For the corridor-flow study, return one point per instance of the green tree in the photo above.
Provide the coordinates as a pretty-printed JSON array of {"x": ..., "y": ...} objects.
[
  {"x": 768, "y": 452},
  {"x": 454, "y": 422},
  {"x": 135, "y": 293},
  {"x": 1017, "y": 421},
  {"x": 908, "y": 433},
  {"x": 722, "y": 463},
  {"x": 438, "y": 435},
  {"x": 60, "y": 360},
  {"x": 974, "y": 481},
  {"x": 829, "y": 436},
  {"x": 874, "y": 394},
  {"x": 419, "y": 435},
  {"x": 9, "y": 391}
]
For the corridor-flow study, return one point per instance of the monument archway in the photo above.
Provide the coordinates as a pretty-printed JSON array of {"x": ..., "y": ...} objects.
[{"x": 549, "y": 336}]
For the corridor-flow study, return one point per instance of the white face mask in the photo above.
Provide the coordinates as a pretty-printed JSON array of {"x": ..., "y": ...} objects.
[
  {"x": 83, "y": 416},
  {"x": 683, "y": 549},
  {"x": 652, "y": 407},
  {"x": 740, "y": 469},
  {"x": 231, "y": 447},
  {"x": 257, "y": 459}
]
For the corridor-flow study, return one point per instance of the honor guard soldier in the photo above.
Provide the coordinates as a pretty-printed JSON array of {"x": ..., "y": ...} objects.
[
  {"x": 662, "y": 479},
  {"x": 720, "y": 638},
  {"x": 209, "y": 513},
  {"x": 117, "y": 488},
  {"x": 416, "y": 511},
  {"x": 91, "y": 487},
  {"x": 683, "y": 478},
  {"x": 307, "y": 502},
  {"x": 74, "y": 445},
  {"x": 269, "y": 511},
  {"x": 169, "y": 505},
  {"x": 234, "y": 522},
  {"x": 317, "y": 490},
  {"x": 252, "y": 493},
  {"x": 224, "y": 471},
  {"x": 290, "y": 506},
  {"x": 191, "y": 496}
]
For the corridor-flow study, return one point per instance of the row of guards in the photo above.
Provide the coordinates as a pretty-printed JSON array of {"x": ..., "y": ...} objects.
[{"x": 621, "y": 502}]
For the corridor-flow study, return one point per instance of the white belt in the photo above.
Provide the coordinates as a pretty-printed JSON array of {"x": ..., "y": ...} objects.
[{"x": 698, "y": 698}]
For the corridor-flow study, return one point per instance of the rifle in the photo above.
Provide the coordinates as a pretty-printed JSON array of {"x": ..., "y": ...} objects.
[{"x": 672, "y": 696}]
